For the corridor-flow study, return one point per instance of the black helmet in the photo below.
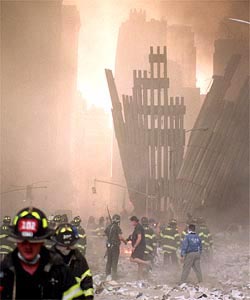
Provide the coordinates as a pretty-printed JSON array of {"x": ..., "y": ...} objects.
[
  {"x": 116, "y": 219},
  {"x": 30, "y": 224},
  {"x": 76, "y": 221},
  {"x": 66, "y": 235},
  {"x": 144, "y": 221},
  {"x": 4, "y": 229},
  {"x": 57, "y": 218},
  {"x": 7, "y": 220}
]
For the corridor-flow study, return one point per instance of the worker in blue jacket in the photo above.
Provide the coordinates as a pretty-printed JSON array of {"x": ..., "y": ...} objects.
[{"x": 191, "y": 253}]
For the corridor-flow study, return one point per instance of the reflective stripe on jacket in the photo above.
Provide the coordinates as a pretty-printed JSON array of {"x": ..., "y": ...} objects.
[{"x": 170, "y": 239}]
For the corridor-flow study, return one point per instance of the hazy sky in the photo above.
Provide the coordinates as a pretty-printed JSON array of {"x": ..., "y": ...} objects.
[{"x": 100, "y": 22}]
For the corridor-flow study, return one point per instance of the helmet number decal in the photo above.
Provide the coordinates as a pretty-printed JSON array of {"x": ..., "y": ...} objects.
[{"x": 27, "y": 227}]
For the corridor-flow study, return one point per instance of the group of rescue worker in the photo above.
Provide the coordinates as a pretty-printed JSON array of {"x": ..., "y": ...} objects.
[
  {"x": 147, "y": 237},
  {"x": 31, "y": 270},
  {"x": 45, "y": 258}
]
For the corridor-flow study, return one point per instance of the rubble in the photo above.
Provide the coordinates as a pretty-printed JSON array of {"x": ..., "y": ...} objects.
[{"x": 226, "y": 279}]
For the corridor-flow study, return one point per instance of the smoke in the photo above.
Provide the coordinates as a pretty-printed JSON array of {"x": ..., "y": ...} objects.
[
  {"x": 209, "y": 20},
  {"x": 101, "y": 20}
]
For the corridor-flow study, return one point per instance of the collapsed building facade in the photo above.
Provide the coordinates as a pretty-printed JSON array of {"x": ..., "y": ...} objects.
[
  {"x": 214, "y": 178},
  {"x": 149, "y": 128}
]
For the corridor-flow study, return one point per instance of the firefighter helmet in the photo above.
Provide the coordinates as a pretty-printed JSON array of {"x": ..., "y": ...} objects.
[
  {"x": 116, "y": 219},
  {"x": 7, "y": 220},
  {"x": 173, "y": 222},
  {"x": 76, "y": 221},
  {"x": 144, "y": 221},
  {"x": 66, "y": 235},
  {"x": 57, "y": 219},
  {"x": 30, "y": 224}
]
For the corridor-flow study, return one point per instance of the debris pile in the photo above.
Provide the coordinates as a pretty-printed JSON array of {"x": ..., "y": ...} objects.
[
  {"x": 142, "y": 290},
  {"x": 227, "y": 278}
]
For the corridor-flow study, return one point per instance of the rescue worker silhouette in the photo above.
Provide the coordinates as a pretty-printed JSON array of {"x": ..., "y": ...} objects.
[
  {"x": 31, "y": 271},
  {"x": 150, "y": 239},
  {"x": 66, "y": 238},
  {"x": 114, "y": 238},
  {"x": 170, "y": 242},
  {"x": 138, "y": 247},
  {"x": 82, "y": 242},
  {"x": 6, "y": 220},
  {"x": 6, "y": 246},
  {"x": 206, "y": 239},
  {"x": 191, "y": 250}
]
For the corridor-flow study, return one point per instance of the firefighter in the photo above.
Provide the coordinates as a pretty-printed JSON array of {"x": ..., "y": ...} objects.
[
  {"x": 150, "y": 238},
  {"x": 82, "y": 242},
  {"x": 7, "y": 220},
  {"x": 206, "y": 239},
  {"x": 31, "y": 271},
  {"x": 114, "y": 239},
  {"x": 66, "y": 237},
  {"x": 57, "y": 220},
  {"x": 6, "y": 246},
  {"x": 170, "y": 241}
]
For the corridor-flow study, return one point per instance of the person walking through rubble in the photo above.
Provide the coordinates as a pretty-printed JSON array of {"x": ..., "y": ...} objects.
[
  {"x": 150, "y": 239},
  {"x": 138, "y": 247},
  {"x": 191, "y": 253},
  {"x": 170, "y": 241},
  {"x": 114, "y": 238}
]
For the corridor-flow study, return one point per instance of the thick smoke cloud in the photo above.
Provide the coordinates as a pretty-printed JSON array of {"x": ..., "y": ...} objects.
[{"x": 100, "y": 25}]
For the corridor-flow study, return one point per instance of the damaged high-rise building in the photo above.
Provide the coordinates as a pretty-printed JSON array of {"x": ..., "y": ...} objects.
[
  {"x": 39, "y": 44},
  {"x": 132, "y": 53}
]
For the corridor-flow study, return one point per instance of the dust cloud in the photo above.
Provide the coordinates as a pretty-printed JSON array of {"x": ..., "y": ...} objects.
[{"x": 49, "y": 131}]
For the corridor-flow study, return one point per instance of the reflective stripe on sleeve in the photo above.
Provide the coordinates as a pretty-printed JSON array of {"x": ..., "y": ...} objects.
[
  {"x": 73, "y": 292},
  {"x": 89, "y": 292}
]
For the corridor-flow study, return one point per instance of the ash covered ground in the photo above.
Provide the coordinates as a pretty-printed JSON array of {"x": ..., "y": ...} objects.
[{"x": 226, "y": 278}]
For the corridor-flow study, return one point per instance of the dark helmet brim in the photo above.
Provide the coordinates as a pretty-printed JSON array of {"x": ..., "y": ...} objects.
[{"x": 53, "y": 238}]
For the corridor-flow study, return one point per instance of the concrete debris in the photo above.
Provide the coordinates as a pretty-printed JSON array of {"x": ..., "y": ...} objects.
[
  {"x": 227, "y": 278},
  {"x": 144, "y": 291}
]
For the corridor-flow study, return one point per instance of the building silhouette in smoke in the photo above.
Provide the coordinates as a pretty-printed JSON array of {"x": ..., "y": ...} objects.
[
  {"x": 39, "y": 63},
  {"x": 91, "y": 151},
  {"x": 132, "y": 53}
]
